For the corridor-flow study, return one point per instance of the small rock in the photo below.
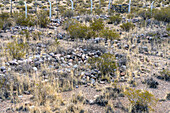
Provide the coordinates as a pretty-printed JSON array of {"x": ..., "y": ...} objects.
[
  {"x": 3, "y": 68},
  {"x": 168, "y": 96},
  {"x": 151, "y": 83},
  {"x": 34, "y": 68}
]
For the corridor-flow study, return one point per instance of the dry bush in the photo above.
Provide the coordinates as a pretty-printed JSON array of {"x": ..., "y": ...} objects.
[
  {"x": 141, "y": 101},
  {"x": 16, "y": 50}
]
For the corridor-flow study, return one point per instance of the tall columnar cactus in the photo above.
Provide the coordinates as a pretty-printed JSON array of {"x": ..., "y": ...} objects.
[
  {"x": 25, "y": 9},
  {"x": 72, "y": 4},
  {"x": 152, "y": 6},
  {"x": 129, "y": 9},
  {"x": 99, "y": 4},
  {"x": 11, "y": 8},
  {"x": 50, "y": 9},
  {"x": 109, "y": 4},
  {"x": 91, "y": 5}
]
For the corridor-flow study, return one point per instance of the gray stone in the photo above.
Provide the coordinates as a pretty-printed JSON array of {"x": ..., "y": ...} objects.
[
  {"x": 92, "y": 81},
  {"x": 35, "y": 69},
  {"x": 2, "y": 68}
]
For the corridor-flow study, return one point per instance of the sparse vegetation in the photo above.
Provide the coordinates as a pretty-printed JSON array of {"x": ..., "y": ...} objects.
[
  {"x": 16, "y": 50},
  {"x": 68, "y": 13},
  {"x": 43, "y": 19},
  {"x": 105, "y": 63},
  {"x": 23, "y": 21},
  {"x": 115, "y": 19},
  {"x": 81, "y": 61},
  {"x": 109, "y": 34},
  {"x": 97, "y": 25},
  {"x": 127, "y": 26},
  {"x": 162, "y": 15},
  {"x": 141, "y": 101}
]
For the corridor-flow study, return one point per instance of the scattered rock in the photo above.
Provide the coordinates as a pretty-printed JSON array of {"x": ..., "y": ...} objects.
[{"x": 151, "y": 83}]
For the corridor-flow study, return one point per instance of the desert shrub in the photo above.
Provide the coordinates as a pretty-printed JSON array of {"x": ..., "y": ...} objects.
[
  {"x": 26, "y": 33},
  {"x": 141, "y": 101},
  {"x": 68, "y": 13},
  {"x": 29, "y": 1},
  {"x": 1, "y": 23},
  {"x": 16, "y": 50},
  {"x": 90, "y": 34},
  {"x": 97, "y": 25},
  {"x": 36, "y": 35},
  {"x": 130, "y": 16},
  {"x": 165, "y": 75},
  {"x": 77, "y": 31},
  {"x": 115, "y": 19},
  {"x": 43, "y": 19},
  {"x": 1, "y": 5},
  {"x": 88, "y": 19},
  {"x": 109, "y": 34},
  {"x": 82, "y": 11},
  {"x": 105, "y": 63},
  {"x": 4, "y": 16},
  {"x": 168, "y": 27},
  {"x": 61, "y": 9},
  {"x": 45, "y": 93},
  {"x": 68, "y": 23},
  {"x": 145, "y": 14},
  {"x": 127, "y": 26},
  {"x": 23, "y": 21},
  {"x": 162, "y": 15},
  {"x": 21, "y": 2},
  {"x": 98, "y": 11},
  {"x": 4, "y": 24},
  {"x": 13, "y": 85}
]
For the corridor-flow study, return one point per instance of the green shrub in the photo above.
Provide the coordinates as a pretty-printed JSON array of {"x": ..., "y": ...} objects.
[
  {"x": 29, "y": 1},
  {"x": 4, "y": 16},
  {"x": 82, "y": 11},
  {"x": 127, "y": 26},
  {"x": 43, "y": 19},
  {"x": 68, "y": 13},
  {"x": 1, "y": 5},
  {"x": 98, "y": 11},
  {"x": 1, "y": 23},
  {"x": 141, "y": 101},
  {"x": 115, "y": 19},
  {"x": 21, "y": 2},
  {"x": 21, "y": 20},
  {"x": 97, "y": 25},
  {"x": 90, "y": 34},
  {"x": 168, "y": 27},
  {"x": 165, "y": 75},
  {"x": 78, "y": 31},
  {"x": 105, "y": 63},
  {"x": 145, "y": 14},
  {"x": 16, "y": 50},
  {"x": 26, "y": 33},
  {"x": 68, "y": 23},
  {"x": 162, "y": 15},
  {"x": 36, "y": 35},
  {"x": 130, "y": 16},
  {"x": 109, "y": 34}
]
